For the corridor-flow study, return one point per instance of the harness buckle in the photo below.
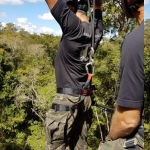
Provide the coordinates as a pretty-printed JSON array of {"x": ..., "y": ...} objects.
[
  {"x": 130, "y": 143},
  {"x": 91, "y": 62}
]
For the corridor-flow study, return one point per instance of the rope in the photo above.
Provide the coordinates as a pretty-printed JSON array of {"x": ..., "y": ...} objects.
[
  {"x": 93, "y": 22},
  {"x": 100, "y": 129},
  {"x": 116, "y": 82},
  {"x": 91, "y": 52}
]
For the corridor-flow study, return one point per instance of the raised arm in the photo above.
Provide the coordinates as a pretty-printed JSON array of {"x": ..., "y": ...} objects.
[
  {"x": 98, "y": 25},
  {"x": 98, "y": 4},
  {"x": 51, "y": 3}
]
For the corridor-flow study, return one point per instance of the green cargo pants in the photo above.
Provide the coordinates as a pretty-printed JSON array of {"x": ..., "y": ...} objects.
[
  {"x": 119, "y": 144},
  {"x": 66, "y": 130}
]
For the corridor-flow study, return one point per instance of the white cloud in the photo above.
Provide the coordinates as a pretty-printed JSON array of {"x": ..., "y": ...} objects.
[
  {"x": 11, "y": 2},
  {"x": 45, "y": 30},
  {"x": 22, "y": 20},
  {"x": 58, "y": 32},
  {"x": 35, "y": 1},
  {"x": 17, "y": 2},
  {"x": 31, "y": 28},
  {"x": 3, "y": 24},
  {"x": 3, "y": 14},
  {"x": 146, "y": 1},
  {"x": 48, "y": 30},
  {"x": 28, "y": 26},
  {"x": 46, "y": 16}
]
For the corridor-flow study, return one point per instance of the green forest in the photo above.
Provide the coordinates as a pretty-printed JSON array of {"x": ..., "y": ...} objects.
[{"x": 27, "y": 81}]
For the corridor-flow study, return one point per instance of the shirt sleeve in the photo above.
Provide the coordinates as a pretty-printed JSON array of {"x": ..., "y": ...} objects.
[
  {"x": 131, "y": 90},
  {"x": 67, "y": 20}
]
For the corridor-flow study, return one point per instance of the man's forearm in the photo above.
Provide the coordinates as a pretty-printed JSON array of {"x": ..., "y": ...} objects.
[
  {"x": 117, "y": 130},
  {"x": 123, "y": 123},
  {"x": 98, "y": 4},
  {"x": 51, "y": 3}
]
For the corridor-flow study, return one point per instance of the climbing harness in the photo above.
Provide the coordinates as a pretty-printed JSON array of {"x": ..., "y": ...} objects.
[
  {"x": 88, "y": 52},
  {"x": 87, "y": 56}
]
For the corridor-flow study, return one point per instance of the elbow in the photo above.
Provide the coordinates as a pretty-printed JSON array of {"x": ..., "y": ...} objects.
[{"x": 130, "y": 125}]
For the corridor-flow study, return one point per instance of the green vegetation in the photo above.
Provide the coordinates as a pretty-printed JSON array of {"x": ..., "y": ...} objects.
[{"x": 27, "y": 81}]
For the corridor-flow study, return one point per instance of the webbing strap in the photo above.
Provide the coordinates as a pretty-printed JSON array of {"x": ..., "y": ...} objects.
[
  {"x": 69, "y": 91},
  {"x": 60, "y": 107},
  {"x": 75, "y": 92}
]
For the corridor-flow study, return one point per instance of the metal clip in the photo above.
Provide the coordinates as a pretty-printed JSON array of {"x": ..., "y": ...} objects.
[
  {"x": 91, "y": 62},
  {"x": 87, "y": 69},
  {"x": 130, "y": 143},
  {"x": 91, "y": 51}
]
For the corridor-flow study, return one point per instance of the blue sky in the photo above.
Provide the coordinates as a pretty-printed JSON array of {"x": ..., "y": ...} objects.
[
  {"x": 147, "y": 9},
  {"x": 34, "y": 15}
]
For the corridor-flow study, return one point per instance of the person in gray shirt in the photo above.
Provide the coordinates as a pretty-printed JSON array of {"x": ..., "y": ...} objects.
[{"x": 126, "y": 130}]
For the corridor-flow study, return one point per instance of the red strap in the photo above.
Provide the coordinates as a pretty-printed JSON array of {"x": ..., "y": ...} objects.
[
  {"x": 90, "y": 76},
  {"x": 87, "y": 92}
]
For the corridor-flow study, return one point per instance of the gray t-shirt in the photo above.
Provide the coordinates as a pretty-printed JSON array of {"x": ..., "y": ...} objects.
[
  {"x": 131, "y": 92},
  {"x": 69, "y": 67}
]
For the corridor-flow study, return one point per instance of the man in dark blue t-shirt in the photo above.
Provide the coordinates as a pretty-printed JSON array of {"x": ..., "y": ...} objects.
[
  {"x": 127, "y": 130},
  {"x": 69, "y": 119}
]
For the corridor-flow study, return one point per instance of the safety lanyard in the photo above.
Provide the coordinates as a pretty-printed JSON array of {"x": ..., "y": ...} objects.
[{"x": 91, "y": 53}]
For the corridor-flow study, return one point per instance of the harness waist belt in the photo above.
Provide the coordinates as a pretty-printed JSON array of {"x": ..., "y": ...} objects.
[
  {"x": 60, "y": 107},
  {"x": 74, "y": 92}
]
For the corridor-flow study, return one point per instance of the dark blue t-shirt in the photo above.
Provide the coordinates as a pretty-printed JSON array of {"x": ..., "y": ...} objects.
[
  {"x": 131, "y": 92},
  {"x": 69, "y": 66}
]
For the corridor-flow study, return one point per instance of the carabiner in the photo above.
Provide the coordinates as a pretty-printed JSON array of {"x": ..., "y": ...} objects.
[{"x": 89, "y": 64}]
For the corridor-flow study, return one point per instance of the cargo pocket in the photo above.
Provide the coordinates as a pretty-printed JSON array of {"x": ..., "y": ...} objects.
[
  {"x": 55, "y": 128},
  {"x": 113, "y": 145}
]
